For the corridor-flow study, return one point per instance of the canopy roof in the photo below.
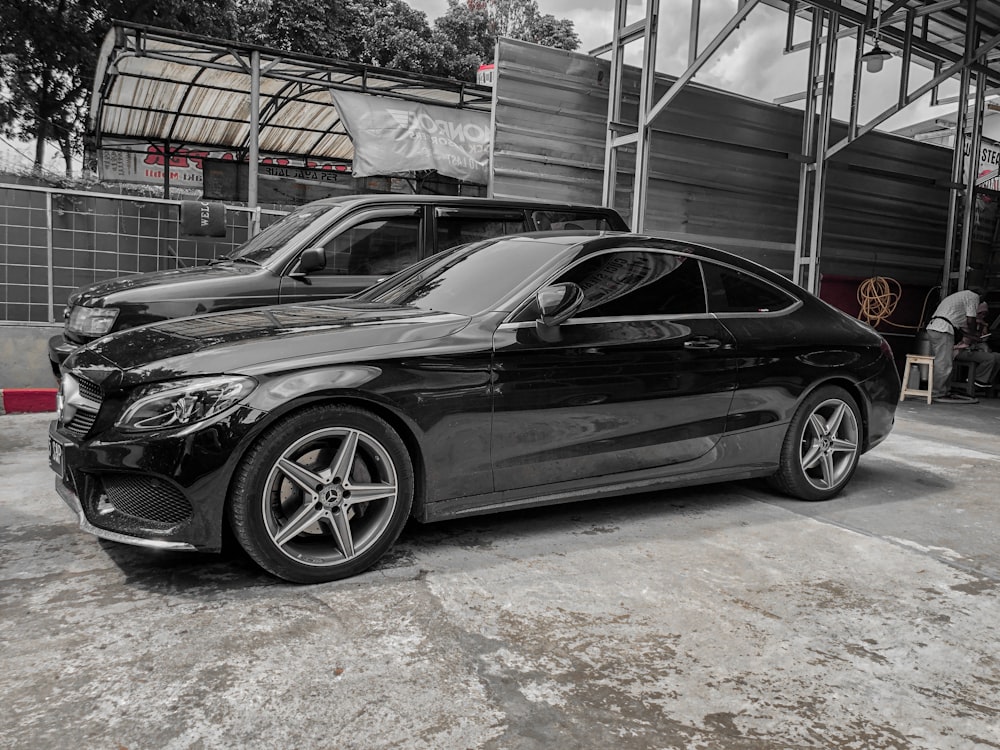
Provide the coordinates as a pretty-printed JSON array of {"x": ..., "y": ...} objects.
[{"x": 155, "y": 86}]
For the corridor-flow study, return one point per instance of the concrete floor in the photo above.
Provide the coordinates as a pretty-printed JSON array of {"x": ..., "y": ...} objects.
[{"x": 718, "y": 618}]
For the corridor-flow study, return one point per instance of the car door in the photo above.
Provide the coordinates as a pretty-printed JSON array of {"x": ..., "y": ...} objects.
[
  {"x": 359, "y": 251},
  {"x": 640, "y": 379}
]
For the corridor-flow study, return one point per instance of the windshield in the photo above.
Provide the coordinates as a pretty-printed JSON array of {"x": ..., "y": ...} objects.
[
  {"x": 262, "y": 247},
  {"x": 470, "y": 278}
]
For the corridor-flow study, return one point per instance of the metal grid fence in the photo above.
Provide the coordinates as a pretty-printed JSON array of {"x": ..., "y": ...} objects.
[{"x": 54, "y": 241}]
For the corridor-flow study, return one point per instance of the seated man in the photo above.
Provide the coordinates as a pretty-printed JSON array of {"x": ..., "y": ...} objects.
[
  {"x": 953, "y": 313},
  {"x": 973, "y": 347}
]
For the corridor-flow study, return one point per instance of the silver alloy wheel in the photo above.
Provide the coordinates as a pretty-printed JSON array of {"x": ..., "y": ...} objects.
[
  {"x": 330, "y": 496},
  {"x": 829, "y": 446}
]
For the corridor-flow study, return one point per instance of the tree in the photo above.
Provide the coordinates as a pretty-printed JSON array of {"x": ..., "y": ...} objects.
[
  {"x": 467, "y": 40},
  {"x": 49, "y": 49},
  {"x": 308, "y": 27},
  {"x": 468, "y": 31},
  {"x": 388, "y": 34}
]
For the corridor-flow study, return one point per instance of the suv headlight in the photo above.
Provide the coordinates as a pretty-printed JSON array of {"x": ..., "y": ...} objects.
[
  {"x": 92, "y": 321},
  {"x": 183, "y": 403}
]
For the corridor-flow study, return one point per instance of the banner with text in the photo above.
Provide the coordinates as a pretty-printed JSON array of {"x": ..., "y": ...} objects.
[{"x": 393, "y": 136}]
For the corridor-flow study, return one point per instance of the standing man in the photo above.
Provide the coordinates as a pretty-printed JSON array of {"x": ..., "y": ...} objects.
[{"x": 955, "y": 312}]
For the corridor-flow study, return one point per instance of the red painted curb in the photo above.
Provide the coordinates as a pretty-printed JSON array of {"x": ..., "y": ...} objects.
[{"x": 24, "y": 400}]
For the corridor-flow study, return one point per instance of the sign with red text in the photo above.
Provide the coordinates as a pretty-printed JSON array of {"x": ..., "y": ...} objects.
[{"x": 122, "y": 162}]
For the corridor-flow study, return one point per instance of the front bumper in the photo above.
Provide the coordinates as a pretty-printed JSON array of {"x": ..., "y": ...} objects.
[
  {"x": 74, "y": 503},
  {"x": 163, "y": 491}
]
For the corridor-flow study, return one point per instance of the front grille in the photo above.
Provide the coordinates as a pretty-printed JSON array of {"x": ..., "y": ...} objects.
[
  {"x": 85, "y": 397},
  {"x": 90, "y": 390},
  {"x": 81, "y": 423},
  {"x": 146, "y": 498}
]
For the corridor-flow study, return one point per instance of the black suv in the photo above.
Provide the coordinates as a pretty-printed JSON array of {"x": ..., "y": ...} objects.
[{"x": 329, "y": 248}]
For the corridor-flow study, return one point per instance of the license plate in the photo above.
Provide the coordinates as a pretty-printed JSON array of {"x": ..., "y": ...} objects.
[{"x": 56, "y": 459}]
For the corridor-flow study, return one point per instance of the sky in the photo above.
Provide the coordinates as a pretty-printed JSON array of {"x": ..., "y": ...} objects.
[{"x": 751, "y": 63}]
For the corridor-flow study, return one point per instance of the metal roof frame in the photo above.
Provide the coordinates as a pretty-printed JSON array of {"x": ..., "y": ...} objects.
[
  {"x": 955, "y": 39},
  {"x": 175, "y": 89}
]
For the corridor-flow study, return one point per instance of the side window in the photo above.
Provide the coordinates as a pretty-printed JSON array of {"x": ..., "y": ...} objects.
[
  {"x": 631, "y": 283},
  {"x": 731, "y": 290},
  {"x": 553, "y": 221},
  {"x": 374, "y": 248},
  {"x": 457, "y": 229}
]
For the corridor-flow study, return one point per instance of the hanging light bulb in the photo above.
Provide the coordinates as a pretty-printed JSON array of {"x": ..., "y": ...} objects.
[{"x": 875, "y": 58}]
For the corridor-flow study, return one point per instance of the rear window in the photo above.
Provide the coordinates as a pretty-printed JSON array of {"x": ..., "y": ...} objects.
[
  {"x": 733, "y": 291},
  {"x": 553, "y": 221},
  {"x": 459, "y": 230}
]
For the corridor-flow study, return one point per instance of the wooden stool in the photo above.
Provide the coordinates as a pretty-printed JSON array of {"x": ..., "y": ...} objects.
[{"x": 917, "y": 361}]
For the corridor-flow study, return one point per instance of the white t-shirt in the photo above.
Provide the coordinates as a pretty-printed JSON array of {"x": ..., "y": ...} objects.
[{"x": 954, "y": 308}]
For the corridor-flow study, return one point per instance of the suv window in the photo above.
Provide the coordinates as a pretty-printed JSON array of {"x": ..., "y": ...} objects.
[
  {"x": 633, "y": 283},
  {"x": 457, "y": 229},
  {"x": 551, "y": 221},
  {"x": 259, "y": 249},
  {"x": 732, "y": 290},
  {"x": 373, "y": 248}
]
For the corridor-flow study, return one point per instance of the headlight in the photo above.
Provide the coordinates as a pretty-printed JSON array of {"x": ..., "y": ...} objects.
[
  {"x": 92, "y": 321},
  {"x": 182, "y": 403}
]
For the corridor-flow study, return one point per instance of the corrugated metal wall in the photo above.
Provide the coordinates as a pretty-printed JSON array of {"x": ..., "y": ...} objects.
[{"x": 723, "y": 170}]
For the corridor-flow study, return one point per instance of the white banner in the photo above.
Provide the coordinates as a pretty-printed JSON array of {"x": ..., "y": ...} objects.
[{"x": 394, "y": 136}]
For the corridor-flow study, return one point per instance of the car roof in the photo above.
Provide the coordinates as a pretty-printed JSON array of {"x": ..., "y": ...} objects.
[
  {"x": 456, "y": 200},
  {"x": 587, "y": 242}
]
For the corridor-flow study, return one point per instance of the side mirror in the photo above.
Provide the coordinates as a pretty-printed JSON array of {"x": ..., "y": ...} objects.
[
  {"x": 312, "y": 259},
  {"x": 558, "y": 303}
]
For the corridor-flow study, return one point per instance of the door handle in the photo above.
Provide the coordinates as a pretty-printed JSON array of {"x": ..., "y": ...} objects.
[{"x": 702, "y": 342}]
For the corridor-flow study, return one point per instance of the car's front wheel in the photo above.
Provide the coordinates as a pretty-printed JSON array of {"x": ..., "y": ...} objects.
[
  {"x": 323, "y": 494},
  {"x": 822, "y": 446}
]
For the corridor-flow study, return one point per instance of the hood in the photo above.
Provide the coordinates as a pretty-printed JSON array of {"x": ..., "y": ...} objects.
[
  {"x": 167, "y": 284},
  {"x": 250, "y": 341}
]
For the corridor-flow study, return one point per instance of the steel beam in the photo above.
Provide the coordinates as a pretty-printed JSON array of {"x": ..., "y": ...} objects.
[
  {"x": 954, "y": 69},
  {"x": 800, "y": 267},
  {"x": 640, "y": 182},
  {"x": 615, "y": 95},
  {"x": 972, "y": 173},
  {"x": 822, "y": 140},
  {"x": 254, "y": 132},
  {"x": 702, "y": 58},
  {"x": 693, "y": 31},
  {"x": 957, "y": 160}
]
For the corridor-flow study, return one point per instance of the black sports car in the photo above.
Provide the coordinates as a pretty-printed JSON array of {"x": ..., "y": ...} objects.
[{"x": 509, "y": 373}]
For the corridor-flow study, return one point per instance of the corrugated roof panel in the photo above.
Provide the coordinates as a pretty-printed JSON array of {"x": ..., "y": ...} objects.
[
  {"x": 164, "y": 86},
  {"x": 300, "y": 125}
]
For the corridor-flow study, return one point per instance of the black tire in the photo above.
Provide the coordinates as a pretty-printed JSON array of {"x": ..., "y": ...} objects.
[
  {"x": 323, "y": 494},
  {"x": 822, "y": 446}
]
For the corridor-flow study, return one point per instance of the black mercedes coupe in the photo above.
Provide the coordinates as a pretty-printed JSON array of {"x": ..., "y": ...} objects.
[{"x": 514, "y": 372}]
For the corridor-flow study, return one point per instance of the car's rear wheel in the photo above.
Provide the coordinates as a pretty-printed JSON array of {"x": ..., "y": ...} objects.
[
  {"x": 822, "y": 446},
  {"x": 323, "y": 494}
]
